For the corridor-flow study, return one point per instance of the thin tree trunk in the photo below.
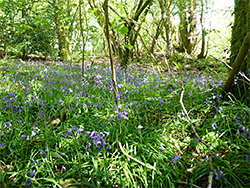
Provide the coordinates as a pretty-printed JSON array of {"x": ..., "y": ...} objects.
[
  {"x": 105, "y": 8},
  {"x": 83, "y": 38},
  {"x": 203, "y": 36},
  {"x": 157, "y": 34},
  {"x": 131, "y": 37}
]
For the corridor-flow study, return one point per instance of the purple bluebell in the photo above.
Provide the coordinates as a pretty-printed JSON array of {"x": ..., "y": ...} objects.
[
  {"x": 32, "y": 173},
  {"x": 175, "y": 158},
  {"x": 28, "y": 181},
  {"x": 161, "y": 148},
  {"x": 64, "y": 168}
]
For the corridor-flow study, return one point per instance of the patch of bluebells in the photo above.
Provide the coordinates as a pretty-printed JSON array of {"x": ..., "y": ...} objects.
[
  {"x": 175, "y": 158},
  {"x": 219, "y": 175},
  {"x": 122, "y": 114},
  {"x": 70, "y": 83},
  {"x": 244, "y": 131},
  {"x": 28, "y": 182},
  {"x": 70, "y": 131},
  {"x": 43, "y": 153},
  {"x": 98, "y": 139}
]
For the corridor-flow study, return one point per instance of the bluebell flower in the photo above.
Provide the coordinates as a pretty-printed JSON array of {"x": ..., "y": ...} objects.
[
  {"x": 2, "y": 144},
  {"x": 67, "y": 135},
  {"x": 175, "y": 158},
  {"x": 196, "y": 141},
  {"x": 107, "y": 133},
  {"x": 41, "y": 152},
  {"x": 214, "y": 155},
  {"x": 64, "y": 168},
  {"x": 79, "y": 130},
  {"x": 101, "y": 134},
  {"x": 104, "y": 143},
  {"x": 92, "y": 135},
  {"x": 161, "y": 148},
  {"x": 214, "y": 125},
  {"x": 28, "y": 181},
  {"x": 32, "y": 173},
  {"x": 247, "y": 158},
  {"x": 109, "y": 147},
  {"x": 33, "y": 133},
  {"x": 111, "y": 120}
]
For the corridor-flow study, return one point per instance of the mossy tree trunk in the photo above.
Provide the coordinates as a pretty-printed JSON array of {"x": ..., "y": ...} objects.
[
  {"x": 187, "y": 26},
  {"x": 131, "y": 36},
  {"x": 61, "y": 30},
  {"x": 240, "y": 45},
  {"x": 166, "y": 14}
]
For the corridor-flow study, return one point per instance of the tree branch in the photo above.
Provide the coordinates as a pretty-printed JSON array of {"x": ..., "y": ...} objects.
[{"x": 210, "y": 177}]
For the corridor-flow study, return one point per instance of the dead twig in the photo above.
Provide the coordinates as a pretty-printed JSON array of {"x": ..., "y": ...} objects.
[
  {"x": 210, "y": 177},
  {"x": 134, "y": 159}
]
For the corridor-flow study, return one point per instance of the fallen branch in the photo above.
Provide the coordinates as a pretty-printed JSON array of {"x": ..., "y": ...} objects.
[
  {"x": 134, "y": 159},
  {"x": 210, "y": 178}
]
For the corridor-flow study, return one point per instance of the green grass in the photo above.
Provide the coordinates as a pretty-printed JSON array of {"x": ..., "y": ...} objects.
[{"x": 37, "y": 153}]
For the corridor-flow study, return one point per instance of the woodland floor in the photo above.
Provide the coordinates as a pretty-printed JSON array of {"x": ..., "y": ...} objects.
[{"x": 59, "y": 130}]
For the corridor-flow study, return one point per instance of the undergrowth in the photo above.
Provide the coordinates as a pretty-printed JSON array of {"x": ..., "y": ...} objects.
[{"x": 58, "y": 130}]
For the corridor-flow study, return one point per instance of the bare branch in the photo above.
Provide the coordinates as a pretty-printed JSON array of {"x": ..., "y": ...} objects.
[
  {"x": 210, "y": 178},
  {"x": 134, "y": 159}
]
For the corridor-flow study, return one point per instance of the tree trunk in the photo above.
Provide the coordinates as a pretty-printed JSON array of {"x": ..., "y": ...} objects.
[
  {"x": 131, "y": 36},
  {"x": 240, "y": 58},
  {"x": 237, "y": 65},
  {"x": 105, "y": 8},
  {"x": 83, "y": 38},
  {"x": 187, "y": 26},
  {"x": 167, "y": 23},
  {"x": 63, "y": 42},
  {"x": 203, "y": 36}
]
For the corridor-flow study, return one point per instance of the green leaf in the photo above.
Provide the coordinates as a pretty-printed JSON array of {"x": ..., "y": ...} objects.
[
  {"x": 128, "y": 46},
  {"x": 124, "y": 30}
]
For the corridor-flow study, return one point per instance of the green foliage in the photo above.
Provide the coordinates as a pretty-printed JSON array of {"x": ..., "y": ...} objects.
[{"x": 149, "y": 124}]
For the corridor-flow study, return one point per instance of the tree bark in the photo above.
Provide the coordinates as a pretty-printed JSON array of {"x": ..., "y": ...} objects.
[
  {"x": 203, "y": 36},
  {"x": 187, "y": 26},
  {"x": 238, "y": 62}
]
